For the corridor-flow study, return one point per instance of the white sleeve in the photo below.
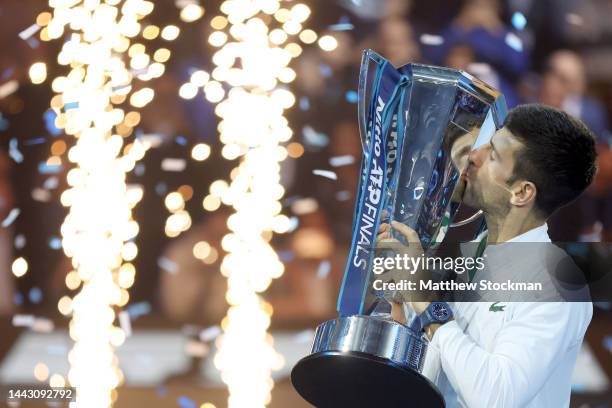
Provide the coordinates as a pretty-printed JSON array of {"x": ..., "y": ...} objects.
[{"x": 526, "y": 351}]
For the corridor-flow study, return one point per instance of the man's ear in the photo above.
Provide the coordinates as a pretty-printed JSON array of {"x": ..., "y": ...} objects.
[{"x": 524, "y": 193}]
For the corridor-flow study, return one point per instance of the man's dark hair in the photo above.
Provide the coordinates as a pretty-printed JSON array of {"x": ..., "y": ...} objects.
[{"x": 558, "y": 154}]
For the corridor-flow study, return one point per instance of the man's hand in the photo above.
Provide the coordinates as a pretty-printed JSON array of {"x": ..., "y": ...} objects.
[{"x": 413, "y": 249}]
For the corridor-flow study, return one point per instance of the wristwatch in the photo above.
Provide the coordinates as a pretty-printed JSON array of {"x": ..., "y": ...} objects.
[{"x": 436, "y": 312}]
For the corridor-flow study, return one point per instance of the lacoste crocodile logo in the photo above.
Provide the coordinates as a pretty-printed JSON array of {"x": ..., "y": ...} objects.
[{"x": 495, "y": 308}]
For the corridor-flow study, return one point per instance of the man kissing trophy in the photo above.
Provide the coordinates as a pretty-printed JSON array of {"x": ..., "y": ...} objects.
[{"x": 410, "y": 119}]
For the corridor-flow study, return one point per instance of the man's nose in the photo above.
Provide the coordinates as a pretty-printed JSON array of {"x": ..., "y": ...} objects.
[{"x": 477, "y": 157}]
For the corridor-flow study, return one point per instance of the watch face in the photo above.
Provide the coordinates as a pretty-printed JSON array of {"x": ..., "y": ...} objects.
[{"x": 440, "y": 311}]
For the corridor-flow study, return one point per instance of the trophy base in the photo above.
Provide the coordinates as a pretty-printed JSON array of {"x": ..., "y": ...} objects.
[
  {"x": 335, "y": 379},
  {"x": 365, "y": 361}
]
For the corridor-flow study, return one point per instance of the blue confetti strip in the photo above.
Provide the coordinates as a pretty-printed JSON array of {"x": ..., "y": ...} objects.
[
  {"x": 18, "y": 298},
  {"x": 304, "y": 103},
  {"x": 341, "y": 27},
  {"x": 519, "y": 21},
  {"x": 7, "y": 74},
  {"x": 161, "y": 188},
  {"x": 607, "y": 343},
  {"x": 181, "y": 140},
  {"x": 44, "y": 168},
  {"x": 11, "y": 217},
  {"x": 71, "y": 105},
  {"x": 167, "y": 265},
  {"x": 55, "y": 243},
  {"x": 286, "y": 255},
  {"x": 35, "y": 141},
  {"x": 14, "y": 151},
  {"x": 136, "y": 310},
  {"x": 35, "y": 295},
  {"x": 351, "y": 96},
  {"x": 4, "y": 123},
  {"x": 49, "y": 118},
  {"x": 325, "y": 70},
  {"x": 185, "y": 402}
]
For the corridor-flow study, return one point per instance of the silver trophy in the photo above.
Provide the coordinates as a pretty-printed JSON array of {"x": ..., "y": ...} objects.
[{"x": 412, "y": 121}]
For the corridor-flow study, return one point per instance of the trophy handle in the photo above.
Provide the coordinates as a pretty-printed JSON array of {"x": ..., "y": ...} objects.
[
  {"x": 363, "y": 92},
  {"x": 467, "y": 220}
]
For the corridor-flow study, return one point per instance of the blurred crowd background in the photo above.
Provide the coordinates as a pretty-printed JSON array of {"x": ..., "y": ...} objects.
[{"x": 557, "y": 52}]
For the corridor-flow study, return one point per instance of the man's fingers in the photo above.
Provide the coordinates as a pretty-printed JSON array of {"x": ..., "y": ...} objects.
[
  {"x": 384, "y": 227},
  {"x": 407, "y": 232},
  {"x": 384, "y": 231},
  {"x": 387, "y": 243}
]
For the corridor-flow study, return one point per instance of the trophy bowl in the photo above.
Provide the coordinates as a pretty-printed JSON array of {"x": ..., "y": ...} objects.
[{"x": 365, "y": 361}]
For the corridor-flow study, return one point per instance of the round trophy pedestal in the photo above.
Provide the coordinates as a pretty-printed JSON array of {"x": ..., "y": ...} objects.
[
  {"x": 336, "y": 379},
  {"x": 365, "y": 361}
]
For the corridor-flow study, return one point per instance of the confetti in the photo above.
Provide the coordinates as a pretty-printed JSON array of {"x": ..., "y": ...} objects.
[
  {"x": 343, "y": 195},
  {"x": 49, "y": 117},
  {"x": 35, "y": 141},
  {"x": 210, "y": 333},
  {"x": 519, "y": 21},
  {"x": 325, "y": 70},
  {"x": 341, "y": 27},
  {"x": 125, "y": 323},
  {"x": 161, "y": 188},
  {"x": 29, "y": 32},
  {"x": 40, "y": 194},
  {"x": 11, "y": 217},
  {"x": 71, "y": 105},
  {"x": 314, "y": 138},
  {"x": 37, "y": 324},
  {"x": 4, "y": 123},
  {"x": 139, "y": 170},
  {"x": 167, "y": 265},
  {"x": 575, "y": 19},
  {"x": 351, "y": 96},
  {"x": 20, "y": 241},
  {"x": 45, "y": 168},
  {"x": 7, "y": 73},
  {"x": 325, "y": 173},
  {"x": 33, "y": 42},
  {"x": 51, "y": 183},
  {"x": 42, "y": 325},
  {"x": 304, "y": 206},
  {"x": 514, "y": 42},
  {"x": 120, "y": 87},
  {"x": 304, "y": 103},
  {"x": 171, "y": 164},
  {"x": 286, "y": 255},
  {"x": 431, "y": 39},
  {"x": 18, "y": 299},
  {"x": 35, "y": 295},
  {"x": 55, "y": 243},
  {"x": 14, "y": 151},
  {"x": 344, "y": 160},
  {"x": 136, "y": 310},
  {"x": 195, "y": 348},
  {"x": 184, "y": 3},
  {"x": 180, "y": 140},
  {"x": 294, "y": 222},
  {"x": 607, "y": 343},
  {"x": 152, "y": 139},
  {"x": 20, "y": 320},
  {"x": 8, "y": 88},
  {"x": 323, "y": 269},
  {"x": 185, "y": 402}
]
